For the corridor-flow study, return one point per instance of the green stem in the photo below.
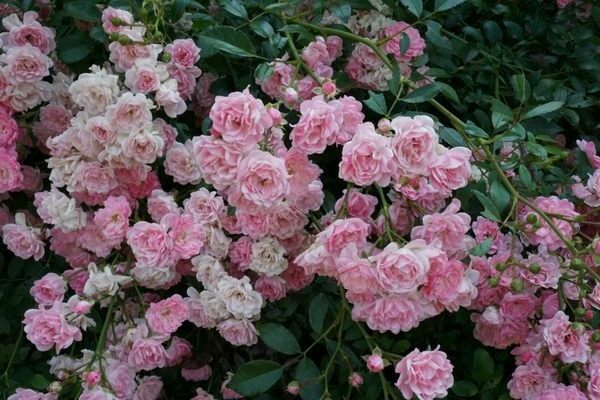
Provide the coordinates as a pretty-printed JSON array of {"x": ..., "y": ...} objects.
[
  {"x": 12, "y": 356},
  {"x": 295, "y": 54}
]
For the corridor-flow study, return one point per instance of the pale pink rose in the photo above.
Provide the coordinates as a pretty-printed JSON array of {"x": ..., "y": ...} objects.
[
  {"x": 202, "y": 395},
  {"x": 130, "y": 113},
  {"x": 196, "y": 374},
  {"x": 317, "y": 128},
  {"x": 24, "y": 241},
  {"x": 179, "y": 349},
  {"x": 238, "y": 332},
  {"x": 113, "y": 219},
  {"x": 593, "y": 386},
  {"x": 375, "y": 363},
  {"x": 151, "y": 244},
  {"x": 48, "y": 328},
  {"x": 121, "y": 379},
  {"x": 518, "y": 306},
  {"x": 184, "y": 53},
  {"x": 11, "y": 177},
  {"x": 449, "y": 227},
  {"x": 591, "y": 193},
  {"x": 451, "y": 170},
  {"x": 316, "y": 53},
  {"x": 400, "y": 270},
  {"x": 394, "y": 313},
  {"x": 301, "y": 171},
  {"x": 93, "y": 177},
  {"x": 29, "y": 31},
  {"x": 484, "y": 228},
  {"x": 147, "y": 354},
  {"x": 125, "y": 56},
  {"x": 367, "y": 69},
  {"x": 396, "y": 31},
  {"x": 32, "y": 179},
  {"x": 206, "y": 207},
  {"x": 355, "y": 380},
  {"x": 589, "y": 148},
  {"x": 56, "y": 118},
  {"x": 168, "y": 97},
  {"x": 218, "y": 160},
  {"x": 167, "y": 132},
  {"x": 356, "y": 275},
  {"x": 529, "y": 380},
  {"x": 145, "y": 77},
  {"x": 271, "y": 288},
  {"x": 181, "y": 164},
  {"x": 296, "y": 278},
  {"x": 148, "y": 388},
  {"x": 185, "y": 78},
  {"x": 9, "y": 130},
  {"x": 343, "y": 232},
  {"x": 262, "y": 180},
  {"x": 367, "y": 158},
  {"x": 160, "y": 204},
  {"x": 101, "y": 130},
  {"x": 186, "y": 234},
  {"x": 97, "y": 393},
  {"x": 564, "y": 341},
  {"x": 274, "y": 85},
  {"x": 166, "y": 316},
  {"x": 49, "y": 289},
  {"x": 549, "y": 272},
  {"x": 427, "y": 374},
  {"x": 414, "y": 144},
  {"x": 562, "y": 392},
  {"x": 349, "y": 117},
  {"x": 545, "y": 234},
  {"x": 143, "y": 146},
  {"x": 240, "y": 118},
  {"x": 26, "y": 64},
  {"x": 28, "y": 394},
  {"x": 114, "y": 20}
]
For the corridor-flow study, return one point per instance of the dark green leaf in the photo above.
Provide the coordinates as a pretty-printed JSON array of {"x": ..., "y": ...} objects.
[
  {"x": 234, "y": 7},
  {"x": 308, "y": 376},
  {"x": 488, "y": 205},
  {"x": 278, "y": 338},
  {"x": 483, "y": 366},
  {"x": 521, "y": 87},
  {"x": 464, "y": 389},
  {"x": 256, "y": 377},
  {"x": 227, "y": 39},
  {"x": 473, "y": 130},
  {"x": 492, "y": 32},
  {"x": 423, "y": 94},
  {"x": 443, "y": 5},
  {"x": 317, "y": 311},
  {"x": 482, "y": 248},
  {"x": 500, "y": 195},
  {"x": 525, "y": 176},
  {"x": 414, "y": 6},
  {"x": 394, "y": 83},
  {"x": 262, "y": 28},
  {"x": 543, "y": 109},
  {"x": 84, "y": 10},
  {"x": 376, "y": 102},
  {"x": 75, "y": 48},
  {"x": 39, "y": 382},
  {"x": 537, "y": 150},
  {"x": 177, "y": 9}
]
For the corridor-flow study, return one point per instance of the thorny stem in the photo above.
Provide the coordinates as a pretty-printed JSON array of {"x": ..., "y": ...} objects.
[{"x": 294, "y": 51}]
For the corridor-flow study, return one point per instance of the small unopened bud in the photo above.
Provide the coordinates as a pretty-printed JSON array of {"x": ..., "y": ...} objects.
[
  {"x": 293, "y": 388},
  {"x": 579, "y": 312},
  {"x": 578, "y": 327},
  {"x": 116, "y": 21},
  {"x": 532, "y": 219},
  {"x": 329, "y": 88},
  {"x": 384, "y": 125},
  {"x": 113, "y": 36},
  {"x": 589, "y": 315},
  {"x": 55, "y": 387},
  {"x": 516, "y": 285},
  {"x": 537, "y": 225},
  {"x": 355, "y": 379},
  {"x": 92, "y": 378},
  {"x": 596, "y": 337},
  {"x": 375, "y": 363},
  {"x": 493, "y": 281},
  {"x": 500, "y": 267},
  {"x": 166, "y": 57},
  {"x": 290, "y": 96},
  {"x": 576, "y": 263},
  {"x": 535, "y": 268},
  {"x": 124, "y": 40}
]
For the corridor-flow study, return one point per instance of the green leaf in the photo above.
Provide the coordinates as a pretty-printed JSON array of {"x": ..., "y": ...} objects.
[
  {"x": 525, "y": 176},
  {"x": 15, "y": 266},
  {"x": 543, "y": 109},
  {"x": 473, "y": 130},
  {"x": 423, "y": 93},
  {"x": 75, "y": 48},
  {"x": 376, "y": 102},
  {"x": 317, "y": 311},
  {"x": 394, "y": 83},
  {"x": 464, "y": 389},
  {"x": 483, "y": 366},
  {"x": 234, "y": 7},
  {"x": 482, "y": 248},
  {"x": 227, "y": 39},
  {"x": 500, "y": 195},
  {"x": 521, "y": 87},
  {"x": 451, "y": 136},
  {"x": 308, "y": 376},
  {"x": 443, "y": 5},
  {"x": 490, "y": 209},
  {"x": 404, "y": 43},
  {"x": 414, "y": 6},
  {"x": 256, "y": 377},
  {"x": 279, "y": 338},
  {"x": 177, "y": 9},
  {"x": 492, "y": 32},
  {"x": 84, "y": 10},
  {"x": 262, "y": 28},
  {"x": 537, "y": 150},
  {"x": 39, "y": 382}
]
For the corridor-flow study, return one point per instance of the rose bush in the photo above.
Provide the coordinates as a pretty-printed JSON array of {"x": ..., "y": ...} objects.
[{"x": 348, "y": 200}]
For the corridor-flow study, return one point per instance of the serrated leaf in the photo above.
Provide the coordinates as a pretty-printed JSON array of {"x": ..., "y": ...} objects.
[
  {"x": 376, "y": 102},
  {"x": 525, "y": 176},
  {"x": 262, "y": 28},
  {"x": 473, "y": 130},
  {"x": 308, "y": 376},
  {"x": 521, "y": 87},
  {"x": 84, "y": 10},
  {"x": 256, "y": 377},
  {"x": 483, "y": 366},
  {"x": 423, "y": 93},
  {"x": 177, "y": 9},
  {"x": 227, "y": 39},
  {"x": 234, "y": 7},
  {"x": 443, "y": 5},
  {"x": 415, "y": 7},
  {"x": 490, "y": 209},
  {"x": 317, "y": 311},
  {"x": 278, "y": 338},
  {"x": 537, "y": 150},
  {"x": 543, "y": 109},
  {"x": 464, "y": 389},
  {"x": 394, "y": 82},
  {"x": 482, "y": 248},
  {"x": 500, "y": 195}
]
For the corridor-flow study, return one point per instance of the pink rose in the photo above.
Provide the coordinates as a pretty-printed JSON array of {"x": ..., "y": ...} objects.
[
  {"x": 400, "y": 270},
  {"x": 11, "y": 177},
  {"x": 562, "y": 392},
  {"x": 151, "y": 244},
  {"x": 130, "y": 113},
  {"x": 169, "y": 98},
  {"x": 145, "y": 77},
  {"x": 196, "y": 374},
  {"x": 343, "y": 232},
  {"x": 147, "y": 354},
  {"x": 178, "y": 350},
  {"x": 160, "y": 204},
  {"x": 121, "y": 379},
  {"x": 125, "y": 57},
  {"x": 367, "y": 158},
  {"x": 149, "y": 388},
  {"x": 317, "y": 128},
  {"x": 349, "y": 117},
  {"x": 240, "y": 118},
  {"x": 29, "y": 31},
  {"x": 49, "y": 289},
  {"x": 93, "y": 177},
  {"x": 26, "y": 64},
  {"x": 427, "y": 374},
  {"x": 262, "y": 181},
  {"x": 451, "y": 170},
  {"x": 414, "y": 144},
  {"x": 9, "y": 130},
  {"x": 375, "y": 363},
  {"x": 206, "y": 207},
  {"x": 184, "y": 53},
  {"x": 166, "y": 316},
  {"x": 114, "y": 20},
  {"x": 187, "y": 235},
  {"x": 24, "y": 241},
  {"x": 545, "y": 234},
  {"x": 218, "y": 160},
  {"x": 281, "y": 77},
  {"x": 48, "y": 328},
  {"x": 356, "y": 275},
  {"x": 113, "y": 219},
  {"x": 396, "y": 31},
  {"x": 564, "y": 341},
  {"x": 28, "y": 394},
  {"x": 181, "y": 164},
  {"x": 394, "y": 313},
  {"x": 238, "y": 332},
  {"x": 271, "y": 288},
  {"x": 529, "y": 380},
  {"x": 357, "y": 204}
]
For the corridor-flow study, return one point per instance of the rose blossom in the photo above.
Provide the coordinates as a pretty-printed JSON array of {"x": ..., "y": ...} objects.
[
  {"x": 22, "y": 240},
  {"x": 427, "y": 374},
  {"x": 149, "y": 388},
  {"x": 26, "y": 64},
  {"x": 218, "y": 160},
  {"x": 564, "y": 341},
  {"x": 184, "y": 53},
  {"x": 151, "y": 244},
  {"x": 396, "y": 31},
  {"x": 414, "y": 144},
  {"x": 11, "y": 177},
  {"x": 529, "y": 380},
  {"x": 181, "y": 164},
  {"x": 317, "y": 128},
  {"x": 29, "y": 31},
  {"x": 48, "y": 328},
  {"x": 147, "y": 354},
  {"x": 238, "y": 332},
  {"x": 451, "y": 170},
  {"x": 49, "y": 289},
  {"x": 167, "y": 315}
]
